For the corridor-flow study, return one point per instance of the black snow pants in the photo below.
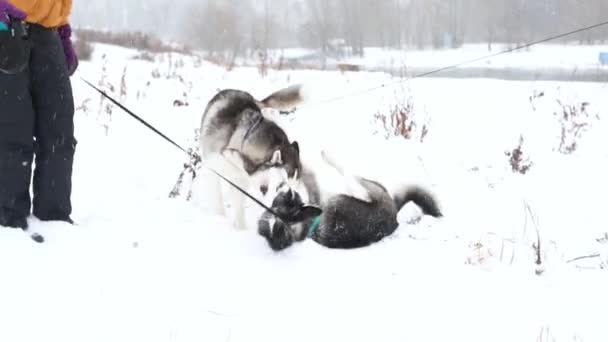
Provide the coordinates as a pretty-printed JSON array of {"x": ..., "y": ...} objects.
[{"x": 37, "y": 119}]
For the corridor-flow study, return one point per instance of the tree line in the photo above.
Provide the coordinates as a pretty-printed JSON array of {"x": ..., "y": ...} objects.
[{"x": 237, "y": 26}]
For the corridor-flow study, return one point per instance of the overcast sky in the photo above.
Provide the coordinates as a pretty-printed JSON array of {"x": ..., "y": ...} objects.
[{"x": 163, "y": 17}]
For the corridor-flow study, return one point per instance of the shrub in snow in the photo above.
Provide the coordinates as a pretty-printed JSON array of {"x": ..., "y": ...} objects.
[
  {"x": 346, "y": 67},
  {"x": 519, "y": 163},
  {"x": 137, "y": 40},
  {"x": 84, "y": 49},
  {"x": 105, "y": 106},
  {"x": 402, "y": 119},
  {"x": 217, "y": 59},
  {"x": 574, "y": 120},
  {"x": 571, "y": 118},
  {"x": 84, "y": 106},
  {"x": 144, "y": 56},
  {"x": 188, "y": 172},
  {"x": 104, "y": 116},
  {"x": 123, "y": 86},
  {"x": 181, "y": 103}
]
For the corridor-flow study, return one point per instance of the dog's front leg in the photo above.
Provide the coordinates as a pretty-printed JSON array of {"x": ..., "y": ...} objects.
[
  {"x": 237, "y": 175},
  {"x": 209, "y": 187},
  {"x": 239, "y": 211},
  {"x": 236, "y": 199}
]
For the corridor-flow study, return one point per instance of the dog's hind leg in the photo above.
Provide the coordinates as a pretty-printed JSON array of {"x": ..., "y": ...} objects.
[{"x": 352, "y": 182}]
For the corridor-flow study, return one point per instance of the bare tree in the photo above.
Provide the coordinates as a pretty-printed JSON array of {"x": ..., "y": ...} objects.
[
  {"x": 216, "y": 27},
  {"x": 238, "y": 25},
  {"x": 321, "y": 26}
]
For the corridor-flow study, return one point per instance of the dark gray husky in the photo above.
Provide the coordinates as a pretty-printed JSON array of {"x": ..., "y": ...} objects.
[
  {"x": 365, "y": 214},
  {"x": 239, "y": 142}
]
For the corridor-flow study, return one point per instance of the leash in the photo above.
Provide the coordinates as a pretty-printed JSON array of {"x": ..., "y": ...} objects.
[{"x": 196, "y": 157}]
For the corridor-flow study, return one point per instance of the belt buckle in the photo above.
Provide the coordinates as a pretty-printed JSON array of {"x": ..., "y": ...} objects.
[{"x": 19, "y": 29}]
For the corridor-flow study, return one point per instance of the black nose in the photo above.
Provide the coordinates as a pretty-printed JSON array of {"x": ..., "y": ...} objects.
[{"x": 264, "y": 189}]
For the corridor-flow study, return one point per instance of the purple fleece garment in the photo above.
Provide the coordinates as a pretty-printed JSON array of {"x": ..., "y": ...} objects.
[
  {"x": 7, "y": 9},
  {"x": 65, "y": 32}
]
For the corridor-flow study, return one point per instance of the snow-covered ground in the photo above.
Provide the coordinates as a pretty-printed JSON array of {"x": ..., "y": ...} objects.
[
  {"x": 540, "y": 56},
  {"x": 140, "y": 266},
  {"x": 543, "y": 56}
]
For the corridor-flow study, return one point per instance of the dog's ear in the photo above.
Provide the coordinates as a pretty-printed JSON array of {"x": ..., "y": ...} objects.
[
  {"x": 307, "y": 212},
  {"x": 296, "y": 147},
  {"x": 276, "y": 159}
]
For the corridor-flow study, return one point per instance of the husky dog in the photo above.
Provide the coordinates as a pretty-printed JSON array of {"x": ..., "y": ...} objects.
[
  {"x": 365, "y": 214},
  {"x": 239, "y": 142}
]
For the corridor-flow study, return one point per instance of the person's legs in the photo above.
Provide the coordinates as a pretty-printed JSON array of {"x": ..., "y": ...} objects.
[
  {"x": 54, "y": 128},
  {"x": 16, "y": 148}
]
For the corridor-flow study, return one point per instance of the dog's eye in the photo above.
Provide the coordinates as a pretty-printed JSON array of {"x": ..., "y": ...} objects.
[{"x": 282, "y": 184}]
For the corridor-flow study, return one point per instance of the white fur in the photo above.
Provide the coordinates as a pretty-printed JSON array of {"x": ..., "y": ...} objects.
[
  {"x": 273, "y": 178},
  {"x": 215, "y": 191},
  {"x": 294, "y": 181},
  {"x": 246, "y": 182},
  {"x": 355, "y": 189},
  {"x": 271, "y": 222},
  {"x": 298, "y": 228},
  {"x": 353, "y": 186},
  {"x": 208, "y": 191},
  {"x": 215, "y": 194},
  {"x": 276, "y": 158}
]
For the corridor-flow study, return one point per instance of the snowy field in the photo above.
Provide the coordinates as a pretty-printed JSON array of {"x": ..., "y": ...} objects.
[
  {"x": 543, "y": 56},
  {"x": 140, "y": 266}
]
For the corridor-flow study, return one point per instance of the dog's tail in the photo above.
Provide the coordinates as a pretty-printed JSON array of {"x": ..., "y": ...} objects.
[
  {"x": 285, "y": 99},
  {"x": 421, "y": 197}
]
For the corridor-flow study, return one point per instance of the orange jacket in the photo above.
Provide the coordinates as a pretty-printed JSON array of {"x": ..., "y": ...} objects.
[{"x": 48, "y": 13}]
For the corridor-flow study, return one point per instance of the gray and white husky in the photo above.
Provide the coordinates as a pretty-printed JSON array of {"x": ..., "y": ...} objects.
[
  {"x": 364, "y": 214},
  {"x": 243, "y": 145}
]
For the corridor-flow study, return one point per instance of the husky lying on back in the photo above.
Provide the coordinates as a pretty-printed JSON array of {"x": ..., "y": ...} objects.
[
  {"x": 241, "y": 144},
  {"x": 358, "y": 218}
]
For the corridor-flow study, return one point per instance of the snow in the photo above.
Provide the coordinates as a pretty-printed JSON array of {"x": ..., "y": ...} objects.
[
  {"x": 140, "y": 266},
  {"x": 547, "y": 56},
  {"x": 540, "y": 56}
]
